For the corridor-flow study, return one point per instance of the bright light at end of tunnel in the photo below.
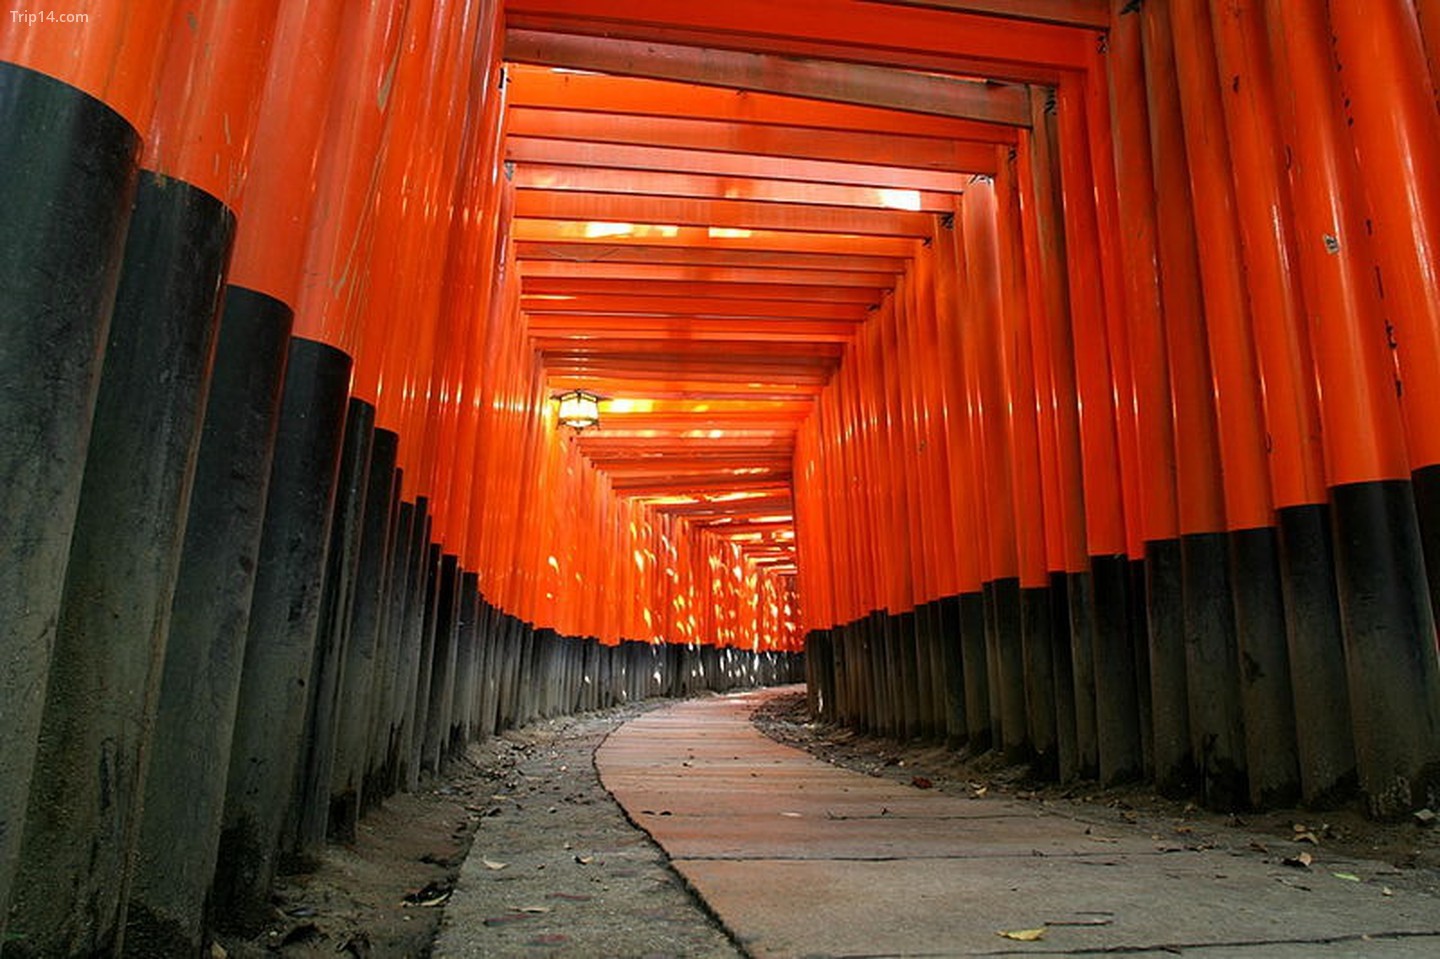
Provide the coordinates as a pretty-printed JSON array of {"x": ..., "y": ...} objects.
[
  {"x": 901, "y": 199},
  {"x": 629, "y": 406},
  {"x": 597, "y": 230}
]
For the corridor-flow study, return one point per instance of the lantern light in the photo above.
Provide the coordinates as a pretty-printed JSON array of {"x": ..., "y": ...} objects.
[{"x": 579, "y": 410}]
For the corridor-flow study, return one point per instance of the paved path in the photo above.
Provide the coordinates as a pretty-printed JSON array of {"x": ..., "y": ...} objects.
[{"x": 801, "y": 858}]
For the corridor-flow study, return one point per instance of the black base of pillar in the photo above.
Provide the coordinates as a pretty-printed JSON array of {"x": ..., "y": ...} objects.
[
  {"x": 1174, "y": 765},
  {"x": 1390, "y": 650},
  {"x": 1212, "y": 673},
  {"x": 65, "y": 203},
  {"x": 82, "y": 822},
  {"x": 284, "y": 616},
  {"x": 1317, "y": 656},
  {"x": 190, "y": 755}
]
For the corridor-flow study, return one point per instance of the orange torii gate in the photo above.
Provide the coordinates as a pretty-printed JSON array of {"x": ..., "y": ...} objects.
[{"x": 1057, "y": 376}]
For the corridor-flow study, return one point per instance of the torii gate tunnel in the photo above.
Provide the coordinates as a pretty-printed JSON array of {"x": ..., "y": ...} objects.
[{"x": 1059, "y": 377}]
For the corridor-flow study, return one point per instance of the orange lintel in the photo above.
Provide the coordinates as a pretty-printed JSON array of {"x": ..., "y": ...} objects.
[
  {"x": 722, "y": 214},
  {"x": 627, "y": 156},
  {"x": 590, "y": 92},
  {"x": 708, "y": 186},
  {"x": 922, "y": 153}
]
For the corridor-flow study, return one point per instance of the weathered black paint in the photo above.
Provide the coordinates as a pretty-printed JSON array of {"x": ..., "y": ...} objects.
[
  {"x": 284, "y": 615},
  {"x": 1174, "y": 766},
  {"x": 1117, "y": 704},
  {"x": 66, "y": 196},
  {"x": 200, "y": 688},
  {"x": 82, "y": 822},
  {"x": 1390, "y": 651},
  {"x": 1212, "y": 672}
]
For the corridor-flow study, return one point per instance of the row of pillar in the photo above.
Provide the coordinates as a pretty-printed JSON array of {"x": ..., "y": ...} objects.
[
  {"x": 1138, "y": 455},
  {"x": 232, "y": 613}
]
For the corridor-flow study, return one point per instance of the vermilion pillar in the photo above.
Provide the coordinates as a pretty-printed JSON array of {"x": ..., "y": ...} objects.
[
  {"x": 1282, "y": 352},
  {"x": 1389, "y": 630},
  {"x": 1206, "y": 622},
  {"x": 1105, "y": 400},
  {"x": 1237, "y": 382},
  {"x": 76, "y": 97},
  {"x": 1160, "y": 646},
  {"x": 1059, "y": 424},
  {"x": 1022, "y": 424}
]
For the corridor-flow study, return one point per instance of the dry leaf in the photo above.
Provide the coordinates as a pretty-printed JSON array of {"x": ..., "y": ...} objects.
[
  {"x": 1301, "y": 861},
  {"x": 533, "y": 909},
  {"x": 491, "y": 864},
  {"x": 920, "y": 782},
  {"x": 1022, "y": 935},
  {"x": 584, "y": 860}
]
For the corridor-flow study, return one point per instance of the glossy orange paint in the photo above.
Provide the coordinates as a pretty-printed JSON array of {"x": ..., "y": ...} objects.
[
  {"x": 278, "y": 200},
  {"x": 1396, "y": 137},
  {"x": 111, "y": 49},
  {"x": 1053, "y": 345},
  {"x": 1145, "y": 331},
  {"x": 1268, "y": 243},
  {"x": 1199, "y": 490},
  {"x": 215, "y": 68},
  {"x": 1363, "y": 428},
  {"x": 544, "y": 88},
  {"x": 1237, "y": 383},
  {"x": 1018, "y": 379}
]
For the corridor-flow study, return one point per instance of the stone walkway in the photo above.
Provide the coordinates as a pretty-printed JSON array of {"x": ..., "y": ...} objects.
[{"x": 800, "y": 858}]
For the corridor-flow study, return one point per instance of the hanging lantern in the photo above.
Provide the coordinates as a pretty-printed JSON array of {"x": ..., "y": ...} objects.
[{"x": 579, "y": 410}]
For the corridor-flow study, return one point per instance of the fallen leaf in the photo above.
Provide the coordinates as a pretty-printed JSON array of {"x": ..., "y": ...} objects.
[
  {"x": 1022, "y": 935},
  {"x": 584, "y": 860},
  {"x": 1347, "y": 876},
  {"x": 1386, "y": 891},
  {"x": 1301, "y": 861},
  {"x": 217, "y": 951},
  {"x": 532, "y": 909},
  {"x": 492, "y": 864}
]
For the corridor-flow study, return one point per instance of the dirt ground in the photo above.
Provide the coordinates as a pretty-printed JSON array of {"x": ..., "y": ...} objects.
[{"x": 556, "y": 869}]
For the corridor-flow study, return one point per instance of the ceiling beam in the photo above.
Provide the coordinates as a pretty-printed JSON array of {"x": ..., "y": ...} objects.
[
  {"x": 626, "y": 156},
  {"x": 550, "y": 329},
  {"x": 844, "y": 146},
  {"x": 672, "y": 235},
  {"x": 542, "y": 276},
  {"x": 666, "y": 288},
  {"x": 860, "y": 32},
  {"x": 607, "y": 306},
  {"x": 539, "y": 204},
  {"x": 1092, "y": 14},
  {"x": 535, "y": 253},
  {"x": 846, "y": 83},
  {"x": 704, "y": 186}
]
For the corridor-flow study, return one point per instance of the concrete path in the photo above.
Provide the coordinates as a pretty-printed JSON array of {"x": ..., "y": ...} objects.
[{"x": 801, "y": 858}]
